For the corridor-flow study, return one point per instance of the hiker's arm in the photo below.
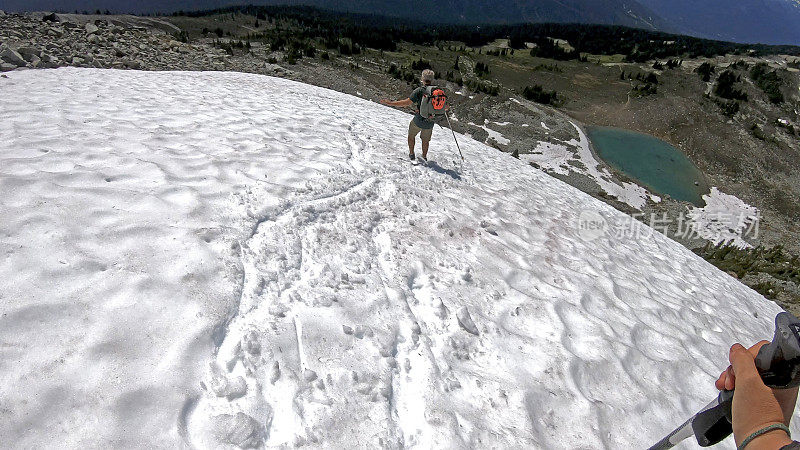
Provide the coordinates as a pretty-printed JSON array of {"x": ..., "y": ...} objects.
[
  {"x": 401, "y": 103},
  {"x": 756, "y": 406}
]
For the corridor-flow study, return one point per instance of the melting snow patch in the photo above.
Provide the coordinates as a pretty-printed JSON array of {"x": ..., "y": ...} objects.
[
  {"x": 495, "y": 135},
  {"x": 576, "y": 156},
  {"x": 724, "y": 219}
]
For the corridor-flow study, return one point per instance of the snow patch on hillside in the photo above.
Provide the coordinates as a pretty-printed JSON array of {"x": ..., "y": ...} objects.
[
  {"x": 493, "y": 134},
  {"x": 725, "y": 219},
  {"x": 575, "y": 156}
]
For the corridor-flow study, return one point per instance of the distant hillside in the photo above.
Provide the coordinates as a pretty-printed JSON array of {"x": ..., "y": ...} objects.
[
  {"x": 765, "y": 21},
  {"x": 616, "y": 12},
  {"x": 762, "y": 21}
]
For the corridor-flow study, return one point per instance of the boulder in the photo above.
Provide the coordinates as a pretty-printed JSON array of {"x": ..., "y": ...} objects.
[
  {"x": 6, "y": 67},
  {"x": 52, "y": 17},
  {"x": 133, "y": 64},
  {"x": 91, "y": 28},
  {"x": 93, "y": 38},
  {"x": 2, "y": 13},
  {"x": 35, "y": 61},
  {"x": 28, "y": 52},
  {"x": 11, "y": 57}
]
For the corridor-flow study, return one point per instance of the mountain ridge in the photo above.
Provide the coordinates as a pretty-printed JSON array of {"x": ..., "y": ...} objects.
[{"x": 751, "y": 21}]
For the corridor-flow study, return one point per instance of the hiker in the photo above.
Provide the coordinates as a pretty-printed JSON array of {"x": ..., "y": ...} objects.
[
  {"x": 759, "y": 413},
  {"x": 419, "y": 124}
]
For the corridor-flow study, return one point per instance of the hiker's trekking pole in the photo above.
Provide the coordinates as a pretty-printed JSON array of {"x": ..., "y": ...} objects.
[
  {"x": 454, "y": 135},
  {"x": 778, "y": 363}
]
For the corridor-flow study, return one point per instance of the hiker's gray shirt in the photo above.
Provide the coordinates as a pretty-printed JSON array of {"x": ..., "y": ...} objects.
[{"x": 420, "y": 121}]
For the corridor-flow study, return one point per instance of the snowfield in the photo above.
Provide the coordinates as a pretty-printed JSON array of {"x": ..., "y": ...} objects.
[{"x": 215, "y": 260}]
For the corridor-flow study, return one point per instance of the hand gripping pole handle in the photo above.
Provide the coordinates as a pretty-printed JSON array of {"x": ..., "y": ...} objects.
[{"x": 778, "y": 363}]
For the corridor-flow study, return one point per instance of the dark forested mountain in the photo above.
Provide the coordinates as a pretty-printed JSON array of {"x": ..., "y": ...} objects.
[
  {"x": 618, "y": 12},
  {"x": 767, "y": 21}
]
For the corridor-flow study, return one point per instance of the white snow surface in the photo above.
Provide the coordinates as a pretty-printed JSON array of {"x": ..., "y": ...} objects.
[
  {"x": 725, "y": 219},
  {"x": 575, "y": 156},
  {"x": 187, "y": 259}
]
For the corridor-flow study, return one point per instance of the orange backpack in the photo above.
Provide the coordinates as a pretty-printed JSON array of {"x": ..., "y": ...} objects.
[{"x": 434, "y": 101}]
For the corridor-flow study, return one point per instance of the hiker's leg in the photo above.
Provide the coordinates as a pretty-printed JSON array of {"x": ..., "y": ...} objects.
[
  {"x": 413, "y": 131},
  {"x": 426, "y": 140}
]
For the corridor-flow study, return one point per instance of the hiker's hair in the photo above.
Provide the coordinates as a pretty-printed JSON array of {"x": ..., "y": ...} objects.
[{"x": 427, "y": 76}]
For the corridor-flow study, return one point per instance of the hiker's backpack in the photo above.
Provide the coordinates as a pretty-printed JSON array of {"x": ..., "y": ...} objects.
[{"x": 434, "y": 101}]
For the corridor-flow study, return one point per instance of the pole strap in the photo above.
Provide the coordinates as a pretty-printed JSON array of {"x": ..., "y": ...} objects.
[{"x": 767, "y": 429}]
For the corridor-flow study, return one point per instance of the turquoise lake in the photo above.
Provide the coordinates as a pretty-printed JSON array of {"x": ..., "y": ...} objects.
[{"x": 650, "y": 161}]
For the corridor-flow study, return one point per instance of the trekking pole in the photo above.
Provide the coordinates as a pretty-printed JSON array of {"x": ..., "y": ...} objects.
[
  {"x": 454, "y": 135},
  {"x": 778, "y": 363}
]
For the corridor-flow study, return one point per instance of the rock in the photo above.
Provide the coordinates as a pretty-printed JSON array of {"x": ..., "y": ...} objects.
[
  {"x": 28, "y": 52},
  {"x": 35, "y": 61},
  {"x": 133, "y": 64},
  {"x": 11, "y": 57},
  {"x": 465, "y": 320},
  {"x": 2, "y": 13},
  {"x": 93, "y": 38},
  {"x": 6, "y": 67},
  {"x": 91, "y": 28},
  {"x": 52, "y": 17},
  {"x": 240, "y": 430},
  {"x": 77, "y": 60}
]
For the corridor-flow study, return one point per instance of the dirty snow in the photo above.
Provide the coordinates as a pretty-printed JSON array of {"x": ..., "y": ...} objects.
[
  {"x": 724, "y": 219},
  {"x": 189, "y": 261}
]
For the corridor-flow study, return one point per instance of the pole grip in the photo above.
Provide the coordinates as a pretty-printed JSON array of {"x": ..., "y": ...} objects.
[{"x": 779, "y": 361}]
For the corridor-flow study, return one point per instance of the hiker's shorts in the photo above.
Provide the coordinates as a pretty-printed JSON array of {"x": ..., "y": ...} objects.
[{"x": 414, "y": 130}]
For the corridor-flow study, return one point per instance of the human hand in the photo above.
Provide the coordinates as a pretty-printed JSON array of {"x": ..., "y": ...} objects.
[{"x": 755, "y": 405}]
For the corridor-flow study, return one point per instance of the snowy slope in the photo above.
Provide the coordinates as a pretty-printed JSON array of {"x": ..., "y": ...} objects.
[{"x": 229, "y": 259}]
